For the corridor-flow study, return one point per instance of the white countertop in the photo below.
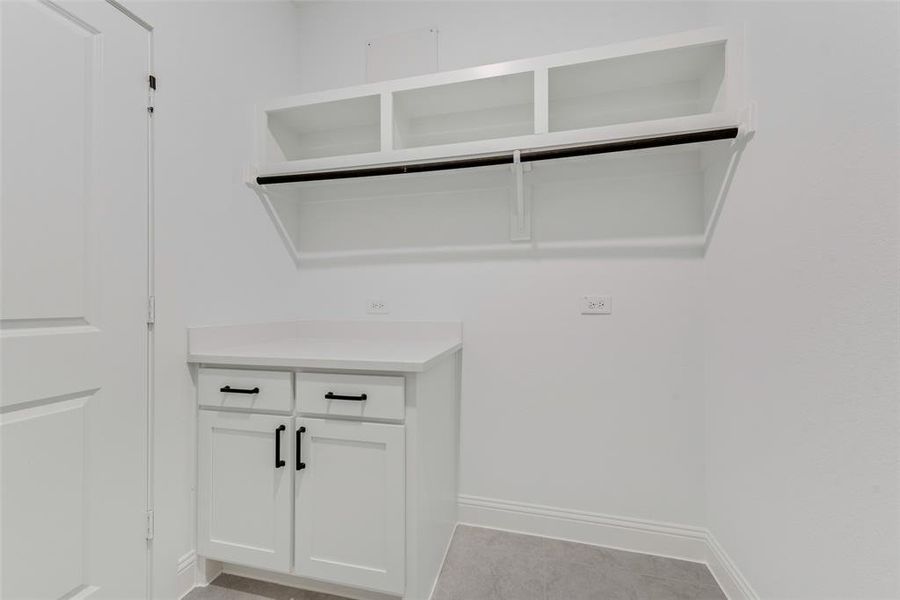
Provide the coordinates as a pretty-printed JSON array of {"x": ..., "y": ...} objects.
[{"x": 352, "y": 345}]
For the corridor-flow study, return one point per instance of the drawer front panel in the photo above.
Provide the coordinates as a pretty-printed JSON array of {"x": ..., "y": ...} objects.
[
  {"x": 252, "y": 390},
  {"x": 360, "y": 396}
]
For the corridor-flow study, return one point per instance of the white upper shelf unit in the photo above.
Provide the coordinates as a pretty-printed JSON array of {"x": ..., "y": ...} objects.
[{"x": 677, "y": 85}]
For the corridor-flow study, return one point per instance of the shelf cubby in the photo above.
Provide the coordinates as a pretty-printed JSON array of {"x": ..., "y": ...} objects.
[
  {"x": 478, "y": 109},
  {"x": 335, "y": 128},
  {"x": 656, "y": 85}
]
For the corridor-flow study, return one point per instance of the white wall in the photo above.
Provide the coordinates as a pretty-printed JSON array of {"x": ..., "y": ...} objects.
[
  {"x": 217, "y": 259},
  {"x": 802, "y": 302},
  {"x": 601, "y": 414}
]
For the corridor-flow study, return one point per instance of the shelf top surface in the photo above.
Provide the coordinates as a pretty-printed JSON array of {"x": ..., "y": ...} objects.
[{"x": 346, "y": 345}]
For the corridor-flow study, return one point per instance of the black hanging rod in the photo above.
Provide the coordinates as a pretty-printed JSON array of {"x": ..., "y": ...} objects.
[{"x": 659, "y": 141}]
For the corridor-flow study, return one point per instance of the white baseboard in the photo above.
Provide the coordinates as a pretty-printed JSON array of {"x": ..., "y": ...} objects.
[
  {"x": 185, "y": 574},
  {"x": 193, "y": 571},
  {"x": 84, "y": 592},
  {"x": 730, "y": 578},
  {"x": 635, "y": 535},
  {"x": 650, "y": 537}
]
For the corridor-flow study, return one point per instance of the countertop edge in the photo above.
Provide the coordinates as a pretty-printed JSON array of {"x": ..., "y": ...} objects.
[{"x": 321, "y": 363}]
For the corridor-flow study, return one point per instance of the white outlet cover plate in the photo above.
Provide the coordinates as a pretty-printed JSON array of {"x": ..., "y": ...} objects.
[
  {"x": 596, "y": 305},
  {"x": 377, "y": 306}
]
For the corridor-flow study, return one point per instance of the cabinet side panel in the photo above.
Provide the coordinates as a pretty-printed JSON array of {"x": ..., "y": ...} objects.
[{"x": 437, "y": 446}]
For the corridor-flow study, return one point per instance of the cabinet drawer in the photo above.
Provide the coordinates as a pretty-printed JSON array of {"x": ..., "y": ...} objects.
[
  {"x": 362, "y": 396},
  {"x": 259, "y": 390}
]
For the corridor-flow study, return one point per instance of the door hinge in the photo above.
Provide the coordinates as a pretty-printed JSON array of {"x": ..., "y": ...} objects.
[
  {"x": 150, "y": 524},
  {"x": 151, "y": 79},
  {"x": 151, "y": 310}
]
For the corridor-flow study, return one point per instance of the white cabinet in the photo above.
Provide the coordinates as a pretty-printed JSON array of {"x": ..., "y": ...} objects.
[
  {"x": 362, "y": 502},
  {"x": 244, "y": 495},
  {"x": 350, "y": 504}
]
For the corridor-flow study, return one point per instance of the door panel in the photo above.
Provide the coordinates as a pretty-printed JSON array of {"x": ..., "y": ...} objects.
[
  {"x": 73, "y": 292},
  {"x": 350, "y": 504},
  {"x": 44, "y": 239},
  {"x": 244, "y": 500},
  {"x": 44, "y": 474}
]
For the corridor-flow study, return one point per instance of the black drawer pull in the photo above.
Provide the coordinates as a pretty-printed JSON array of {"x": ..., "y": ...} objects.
[
  {"x": 300, "y": 464},
  {"x": 333, "y": 396},
  {"x": 278, "y": 462},
  {"x": 230, "y": 390}
]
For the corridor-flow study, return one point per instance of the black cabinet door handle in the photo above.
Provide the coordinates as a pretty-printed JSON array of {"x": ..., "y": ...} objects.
[
  {"x": 333, "y": 396},
  {"x": 300, "y": 464},
  {"x": 278, "y": 462},
  {"x": 230, "y": 390}
]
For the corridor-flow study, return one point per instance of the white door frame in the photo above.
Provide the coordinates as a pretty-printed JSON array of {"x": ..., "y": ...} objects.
[{"x": 151, "y": 291}]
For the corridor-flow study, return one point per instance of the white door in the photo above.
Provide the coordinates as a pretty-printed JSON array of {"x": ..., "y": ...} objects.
[
  {"x": 244, "y": 495},
  {"x": 350, "y": 504},
  {"x": 73, "y": 295}
]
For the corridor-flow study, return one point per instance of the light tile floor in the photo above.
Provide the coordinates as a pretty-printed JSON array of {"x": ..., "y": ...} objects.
[{"x": 486, "y": 564}]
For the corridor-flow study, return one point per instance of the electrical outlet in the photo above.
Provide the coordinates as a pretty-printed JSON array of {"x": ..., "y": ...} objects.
[
  {"x": 596, "y": 305},
  {"x": 377, "y": 306}
]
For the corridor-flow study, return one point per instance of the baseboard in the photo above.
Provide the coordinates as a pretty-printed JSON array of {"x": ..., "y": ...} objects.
[
  {"x": 635, "y": 535},
  {"x": 726, "y": 572},
  {"x": 683, "y": 542},
  {"x": 84, "y": 592},
  {"x": 185, "y": 574},
  {"x": 193, "y": 571}
]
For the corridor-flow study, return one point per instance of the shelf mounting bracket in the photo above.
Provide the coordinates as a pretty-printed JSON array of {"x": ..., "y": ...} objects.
[
  {"x": 520, "y": 215},
  {"x": 265, "y": 198}
]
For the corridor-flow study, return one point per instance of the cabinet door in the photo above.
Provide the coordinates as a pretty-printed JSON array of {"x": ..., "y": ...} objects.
[
  {"x": 350, "y": 504},
  {"x": 244, "y": 497}
]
